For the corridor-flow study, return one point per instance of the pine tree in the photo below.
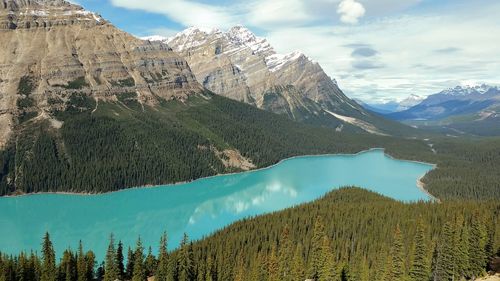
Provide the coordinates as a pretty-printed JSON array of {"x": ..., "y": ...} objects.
[
  {"x": 285, "y": 255},
  {"x": 139, "y": 273},
  {"x": 209, "y": 269},
  {"x": 420, "y": 267},
  {"x": 162, "y": 269},
  {"x": 150, "y": 264},
  {"x": 119, "y": 261},
  {"x": 298, "y": 272},
  {"x": 445, "y": 262},
  {"x": 273, "y": 266},
  {"x": 477, "y": 244},
  {"x": 49, "y": 272},
  {"x": 462, "y": 249},
  {"x": 314, "y": 261},
  {"x": 240, "y": 269},
  {"x": 129, "y": 270},
  {"x": 397, "y": 270},
  {"x": 327, "y": 270},
  {"x": 81, "y": 264},
  {"x": 110, "y": 266},
  {"x": 185, "y": 260},
  {"x": 90, "y": 261}
]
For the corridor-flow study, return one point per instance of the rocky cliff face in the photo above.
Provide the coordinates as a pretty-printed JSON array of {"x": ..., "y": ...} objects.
[
  {"x": 239, "y": 65},
  {"x": 51, "y": 50}
]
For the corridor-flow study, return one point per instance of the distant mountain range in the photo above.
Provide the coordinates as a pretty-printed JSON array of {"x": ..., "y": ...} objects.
[
  {"x": 392, "y": 106},
  {"x": 462, "y": 109}
]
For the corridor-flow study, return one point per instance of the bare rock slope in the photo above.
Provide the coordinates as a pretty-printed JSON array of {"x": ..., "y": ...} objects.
[
  {"x": 239, "y": 65},
  {"x": 51, "y": 51}
]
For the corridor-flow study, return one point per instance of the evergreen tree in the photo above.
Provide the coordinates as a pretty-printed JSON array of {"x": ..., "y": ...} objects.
[
  {"x": 273, "y": 266},
  {"x": 420, "y": 267},
  {"x": 477, "y": 244},
  {"x": 327, "y": 270},
  {"x": 139, "y": 273},
  {"x": 90, "y": 260},
  {"x": 314, "y": 261},
  {"x": 185, "y": 260},
  {"x": 81, "y": 264},
  {"x": 240, "y": 269},
  {"x": 462, "y": 250},
  {"x": 298, "y": 272},
  {"x": 445, "y": 263},
  {"x": 163, "y": 262},
  {"x": 209, "y": 269},
  {"x": 150, "y": 264},
  {"x": 285, "y": 254},
  {"x": 49, "y": 272},
  {"x": 129, "y": 270},
  {"x": 397, "y": 270},
  {"x": 119, "y": 261},
  {"x": 110, "y": 266}
]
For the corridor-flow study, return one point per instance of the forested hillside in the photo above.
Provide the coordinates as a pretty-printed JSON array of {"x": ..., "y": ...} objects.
[
  {"x": 109, "y": 146},
  {"x": 350, "y": 234}
]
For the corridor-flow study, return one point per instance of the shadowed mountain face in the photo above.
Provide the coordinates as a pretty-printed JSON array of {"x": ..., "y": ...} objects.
[
  {"x": 51, "y": 51},
  {"x": 241, "y": 66}
]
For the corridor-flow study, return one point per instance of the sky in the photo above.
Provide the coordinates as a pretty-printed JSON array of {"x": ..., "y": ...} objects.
[{"x": 377, "y": 50}]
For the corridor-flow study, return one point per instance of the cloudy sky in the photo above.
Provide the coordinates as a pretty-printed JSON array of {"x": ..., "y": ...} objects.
[{"x": 376, "y": 49}]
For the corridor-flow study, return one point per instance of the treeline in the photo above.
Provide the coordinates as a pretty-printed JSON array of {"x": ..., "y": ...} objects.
[
  {"x": 348, "y": 235},
  {"x": 120, "y": 146}
]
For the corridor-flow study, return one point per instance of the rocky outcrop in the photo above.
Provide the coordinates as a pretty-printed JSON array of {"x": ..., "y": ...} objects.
[
  {"x": 239, "y": 65},
  {"x": 51, "y": 50}
]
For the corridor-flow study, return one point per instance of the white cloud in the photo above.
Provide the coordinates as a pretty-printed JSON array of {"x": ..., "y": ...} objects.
[
  {"x": 416, "y": 51},
  {"x": 350, "y": 11},
  {"x": 188, "y": 13}
]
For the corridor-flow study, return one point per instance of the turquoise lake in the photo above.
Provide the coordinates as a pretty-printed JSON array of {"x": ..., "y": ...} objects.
[{"x": 200, "y": 207}]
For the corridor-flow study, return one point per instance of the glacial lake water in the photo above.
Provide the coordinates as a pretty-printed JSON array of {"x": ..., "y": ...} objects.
[{"x": 200, "y": 207}]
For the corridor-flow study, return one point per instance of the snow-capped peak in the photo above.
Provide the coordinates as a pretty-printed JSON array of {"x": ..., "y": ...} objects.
[
  {"x": 241, "y": 34},
  {"x": 154, "y": 38},
  {"x": 468, "y": 90},
  {"x": 278, "y": 61}
]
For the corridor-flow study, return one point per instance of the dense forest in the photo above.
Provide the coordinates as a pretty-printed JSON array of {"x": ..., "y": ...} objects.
[
  {"x": 350, "y": 234},
  {"x": 108, "y": 146}
]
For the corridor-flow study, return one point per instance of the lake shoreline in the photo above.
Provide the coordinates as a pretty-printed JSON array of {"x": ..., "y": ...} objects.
[{"x": 419, "y": 184}]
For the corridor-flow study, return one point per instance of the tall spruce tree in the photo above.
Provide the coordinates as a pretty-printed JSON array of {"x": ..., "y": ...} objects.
[
  {"x": 119, "y": 261},
  {"x": 110, "y": 266},
  {"x": 162, "y": 269},
  {"x": 150, "y": 264},
  {"x": 49, "y": 271},
  {"x": 421, "y": 267},
  {"x": 327, "y": 270},
  {"x": 314, "y": 260},
  {"x": 297, "y": 270},
  {"x": 462, "y": 249},
  {"x": 129, "y": 269},
  {"x": 81, "y": 264},
  {"x": 445, "y": 262},
  {"x": 139, "y": 273},
  {"x": 273, "y": 266},
  {"x": 285, "y": 254},
  {"x": 185, "y": 260},
  {"x": 397, "y": 270},
  {"x": 477, "y": 247}
]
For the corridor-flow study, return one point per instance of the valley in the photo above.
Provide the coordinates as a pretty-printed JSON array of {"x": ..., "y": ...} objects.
[{"x": 244, "y": 163}]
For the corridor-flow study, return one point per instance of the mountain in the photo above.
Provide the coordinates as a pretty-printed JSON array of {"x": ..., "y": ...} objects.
[
  {"x": 462, "y": 109},
  {"x": 54, "y": 51},
  {"x": 392, "y": 106},
  {"x": 86, "y": 107},
  {"x": 409, "y": 102},
  {"x": 241, "y": 66}
]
